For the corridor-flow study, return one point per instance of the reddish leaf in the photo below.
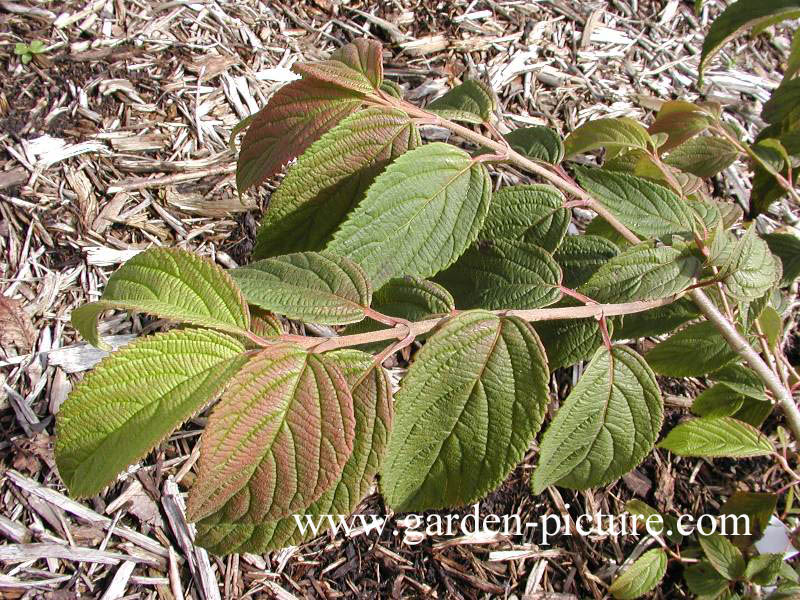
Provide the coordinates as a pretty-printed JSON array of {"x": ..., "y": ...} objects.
[
  {"x": 277, "y": 440},
  {"x": 680, "y": 120},
  {"x": 294, "y": 117},
  {"x": 357, "y": 66}
]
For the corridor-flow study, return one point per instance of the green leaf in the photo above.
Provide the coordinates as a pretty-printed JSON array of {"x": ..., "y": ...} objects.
[
  {"x": 310, "y": 227},
  {"x": 793, "y": 63},
  {"x": 703, "y": 156},
  {"x": 758, "y": 507},
  {"x": 716, "y": 437},
  {"x": 569, "y": 341},
  {"x": 277, "y": 440},
  {"x": 393, "y": 89},
  {"x": 742, "y": 380},
  {"x": 503, "y": 274},
  {"x": 419, "y": 216},
  {"x": 703, "y": 580},
  {"x": 696, "y": 350},
  {"x": 579, "y": 257},
  {"x": 641, "y": 577},
  {"x": 473, "y": 102},
  {"x": 656, "y": 321},
  {"x": 529, "y": 213},
  {"x": 643, "y": 272},
  {"x": 372, "y": 400},
  {"x": 753, "y": 412},
  {"x": 357, "y": 66},
  {"x": 717, "y": 401},
  {"x": 466, "y": 413},
  {"x": 37, "y": 46},
  {"x": 295, "y": 116},
  {"x": 763, "y": 569},
  {"x": 606, "y": 426},
  {"x": 612, "y": 134},
  {"x": 537, "y": 143},
  {"x": 723, "y": 556},
  {"x": 310, "y": 286},
  {"x": 172, "y": 284},
  {"x": 772, "y": 325},
  {"x": 738, "y": 16},
  {"x": 787, "y": 248},
  {"x": 134, "y": 399},
  {"x": 599, "y": 227},
  {"x": 646, "y": 208},
  {"x": 750, "y": 269},
  {"x": 681, "y": 121},
  {"x": 360, "y": 140},
  {"x": 411, "y": 298},
  {"x": 21, "y": 49},
  {"x": 783, "y": 103},
  {"x": 670, "y": 523}
]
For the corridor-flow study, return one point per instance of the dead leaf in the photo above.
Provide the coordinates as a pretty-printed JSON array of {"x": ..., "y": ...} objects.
[{"x": 16, "y": 328}]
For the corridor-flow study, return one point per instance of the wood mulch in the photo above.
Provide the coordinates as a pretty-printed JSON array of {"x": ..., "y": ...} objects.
[{"x": 116, "y": 139}]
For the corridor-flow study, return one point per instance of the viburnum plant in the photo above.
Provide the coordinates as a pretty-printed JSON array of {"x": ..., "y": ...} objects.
[{"x": 391, "y": 240}]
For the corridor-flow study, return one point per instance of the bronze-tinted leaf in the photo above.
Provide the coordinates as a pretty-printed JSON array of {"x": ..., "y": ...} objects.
[
  {"x": 277, "y": 440},
  {"x": 295, "y": 116},
  {"x": 357, "y": 66}
]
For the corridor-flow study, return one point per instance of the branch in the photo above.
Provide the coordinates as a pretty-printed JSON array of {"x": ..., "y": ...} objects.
[
  {"x": 740, "y": 345},
  {"x": 534, "y": 314}
]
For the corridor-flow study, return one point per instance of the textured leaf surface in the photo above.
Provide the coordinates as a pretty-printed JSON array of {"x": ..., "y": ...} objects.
[
  {"x": 503, "y": 274},
  {"x": 469, "y": 407},
  {"x": 703, "y": 156},
  {"x": 641, "y": 577},
  {"x": 750, "y": 269},
  {"x": 537, "y": 143},
  {"x": 739, "y": 16},
  {"x": 726, "y": 558},
  {"x": 612, "y": 134},
  {"x": 716, "y": 437},
  {"x": 644, "y": 272},
  {"x": 135, "y": 398},
  {"x": 310, "y": 227},
  {"x": 172, "y": 284},
  {"x": 742, "y": 380},
  {"x": 277, "y": 440},
  {"x": 357, "y": 66},
  {"x": 579, "y": 257},
  {"x": 763, "y": 569},
  {"x": 313, "y": 286},
  {"x": 605, "y": 427},
  {"x": 703, "y": 580},
  {"x": 717, "y": 401},
  {"x": 370, "y": 135},
  {"x": 372, "y": 402},
  {"x": 419, "y": 216},
  {"x": 530, "y": 213},
  {"x": 702, "y": 342},
  {"x": 644, "y": 207},
  {"x": 295, "y": 116},
  {"x": 657, "y": 321},
  {"x": 568, "y": 341},
  {"x": 472, "y": 101},
  {"x": 410, "y": 298},
  {"x": 787, "y": 248}
]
